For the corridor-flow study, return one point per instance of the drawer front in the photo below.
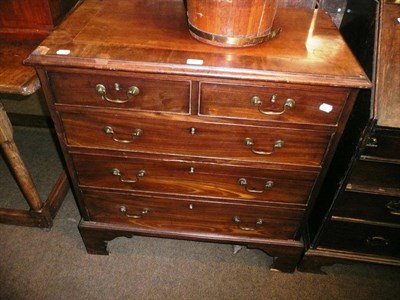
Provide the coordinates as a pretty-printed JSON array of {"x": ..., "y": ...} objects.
[
  {"x": 272, "y": 103},
  {"x": 170, "y": 136},
  {"x": 193, "y": 179},
  {"x": 383, "y": 145},
  {"x": 121, "y": 92},
  {"x": 375, "y": 177},
  {"x": 368, "y": 207},
  {"x": 362, "y": 238},
  {"x": 194, "y": 217}
]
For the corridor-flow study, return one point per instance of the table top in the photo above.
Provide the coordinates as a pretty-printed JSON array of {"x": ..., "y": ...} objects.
[
  {"x": 153, "y": 36},
  {"x": 15, "y": 77}
]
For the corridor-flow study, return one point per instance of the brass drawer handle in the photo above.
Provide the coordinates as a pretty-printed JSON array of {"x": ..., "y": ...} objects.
[
  {"x": 102, "y": 91},
  {"x": 250, "y": 143},
  {"x": 393, "y": 207},
  {"x": 377, "y": 241},
  {"x": 256, "y": 101},
  {"x": 139, "y": 174},
  {"x": 268, "y": 184},
  {"x": 135, "y": 134},
  {"x": 124, "y": 210},
  {"x": 257, "y": 224}
]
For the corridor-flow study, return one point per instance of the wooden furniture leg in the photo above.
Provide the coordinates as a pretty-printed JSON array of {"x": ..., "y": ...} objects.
[
  {"x": 40, "y": 214},
  {"x": 96, "y": 236},
  {"x": 16, "y": 162}
]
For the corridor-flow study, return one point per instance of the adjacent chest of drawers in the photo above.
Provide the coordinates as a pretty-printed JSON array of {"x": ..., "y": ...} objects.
[
  {"x": 358, "y": 213},
  {"x": 164, "y": 136}
]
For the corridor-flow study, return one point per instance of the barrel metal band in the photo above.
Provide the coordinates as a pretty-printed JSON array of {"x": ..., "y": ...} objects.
[{"x": 234, "y": 41}]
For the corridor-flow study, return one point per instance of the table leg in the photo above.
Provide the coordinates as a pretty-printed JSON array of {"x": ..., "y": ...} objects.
[{"x": 17, "y": 164}]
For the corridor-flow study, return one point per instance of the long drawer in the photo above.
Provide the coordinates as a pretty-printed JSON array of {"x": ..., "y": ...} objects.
[
  {"x": 273, "y": 103},
  {"x": 368, "y": 207},
  {"x": 198, "y": 139},
  {"x": 124, "y": 92},
  {"x": 362, "y": 238},
  {"x": 375, "y": 177},
  {"x": 193, "y": 178},
  {"x": 193, "y": 216},
  {"x": 383, "y": 145}
]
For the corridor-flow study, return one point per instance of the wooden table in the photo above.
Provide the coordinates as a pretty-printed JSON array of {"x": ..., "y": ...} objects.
[{"x": 23, "y": 25}]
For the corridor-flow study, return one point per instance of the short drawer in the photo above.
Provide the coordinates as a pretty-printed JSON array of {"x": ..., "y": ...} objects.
[
  {"x": 274, "y": 103},
  {"x": 368, "y": 207},
  {"x": 362, "y": 238},
  {"x": 110, "y": 91},
  {"x": 190, "y": 178},
  {"x": 183, "y": 137},
  {"x": 193, "y": 216}
]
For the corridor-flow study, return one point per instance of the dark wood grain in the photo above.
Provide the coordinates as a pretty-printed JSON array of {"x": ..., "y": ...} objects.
[
  {"x": 234, "y": 101},
  {"x": 309, "y": 49},
  {"x": 77, "y": 88},
  {"x": 15, "y": 77},
  {"x": 357, "y": 216},
  {"x": 388, "y": 75},
  {"x": 362, "y": 238},
  {"x": 194, "y": 216},
  {"x": 368, "y": 209},
  {"x": 382, "y": 145},
  {"x": 385, "y": 179},
  {"x": 190, "y": 126},
  {"x": 31, "y": 19},
  {"x": 301, "y": 147},
  {"x": 23, "y": 25},
  {"x": 193, "y": 178}
]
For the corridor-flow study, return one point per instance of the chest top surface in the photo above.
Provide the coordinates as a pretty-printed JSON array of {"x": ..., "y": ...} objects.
[{"x": 153, "y": 36}]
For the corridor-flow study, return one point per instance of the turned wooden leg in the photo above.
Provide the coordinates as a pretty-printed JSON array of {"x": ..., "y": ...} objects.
[{"x": 16, "y": 163}]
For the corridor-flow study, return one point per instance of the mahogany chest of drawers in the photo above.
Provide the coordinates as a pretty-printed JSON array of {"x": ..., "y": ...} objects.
[{"x": 165, "y": 136}]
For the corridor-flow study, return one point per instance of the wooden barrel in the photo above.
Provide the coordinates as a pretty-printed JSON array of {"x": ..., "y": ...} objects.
[{"x": 232, "y": 23}]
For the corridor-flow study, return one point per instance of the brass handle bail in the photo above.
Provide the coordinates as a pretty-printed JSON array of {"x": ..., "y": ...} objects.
[
  {"x": 135, "y": 134},
  {"x": 250, "y": 143},
  {"x": 124, "y": 210},
  {"x": 256, "y": 101},
  {"x": 139, "y": 174},
  {"x": 102, "y": 91},
  {"x": 267, "y": 185},
  {"x": 393, "y": 207},
  {"x": 377, "y": 241},
  {"x": 257, "y": 224}
]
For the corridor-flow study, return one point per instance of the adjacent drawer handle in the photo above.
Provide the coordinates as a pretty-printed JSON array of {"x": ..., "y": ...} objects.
[
  {"x": 372, "y": 142},
  {"x": 124, "y": 210},
  {"x": 268, "y": 184},
  {"x": 257, "y": 224},
  {"x": 377, "y": 241},
  {"x": 139, "y": 174},
  {"x": 250, "y": 143},
  {"x": 289, "y": 103},
  {"x": 393, "y": 207},
  {"x": 135, "y": 134},
  {"x": 132, "y": 91}
]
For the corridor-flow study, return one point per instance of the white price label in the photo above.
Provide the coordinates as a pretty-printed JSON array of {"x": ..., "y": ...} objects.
[
  {"x": 325, "y": 107},
  {"x": 192, "y": 61}
]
